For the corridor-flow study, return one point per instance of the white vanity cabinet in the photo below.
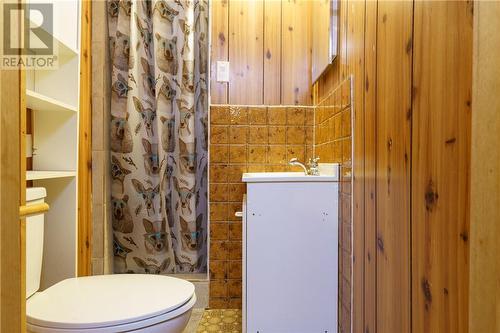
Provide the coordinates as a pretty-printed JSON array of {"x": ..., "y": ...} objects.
[{"x": 290, "y": 253}]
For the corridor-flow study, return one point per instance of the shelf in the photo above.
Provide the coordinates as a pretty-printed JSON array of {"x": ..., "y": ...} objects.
[
  {"x": 37, "y": 174},
  {"x": 39, "y": 102}
]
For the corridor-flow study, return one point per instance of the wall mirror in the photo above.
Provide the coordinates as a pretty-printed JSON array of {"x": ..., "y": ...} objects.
[{"x": 324, "y": 35}]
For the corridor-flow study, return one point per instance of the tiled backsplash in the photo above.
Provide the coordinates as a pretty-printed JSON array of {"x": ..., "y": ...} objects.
[
  {"x": 333, "y": 126},
  {"x": 246, "y": 139},
  {"x": 333, "y": 142},
  {"x": 264, "y": 138}
]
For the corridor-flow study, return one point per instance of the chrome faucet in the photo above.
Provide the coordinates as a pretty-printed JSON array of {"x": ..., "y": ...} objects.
[
  {"x": 295, "y": 162},
  {"x": 313, "y": 166}
]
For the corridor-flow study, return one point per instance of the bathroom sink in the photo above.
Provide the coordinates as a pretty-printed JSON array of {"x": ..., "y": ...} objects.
[
  {"x": 290, "y": 219},
  {"x": 278, "y": 177}
]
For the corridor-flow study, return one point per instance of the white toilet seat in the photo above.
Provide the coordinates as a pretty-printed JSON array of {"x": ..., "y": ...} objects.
[{"x": 109, "y": 303}]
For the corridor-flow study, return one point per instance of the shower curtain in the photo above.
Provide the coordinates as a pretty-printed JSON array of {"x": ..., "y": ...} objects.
[{"x": 158, "y": 138}]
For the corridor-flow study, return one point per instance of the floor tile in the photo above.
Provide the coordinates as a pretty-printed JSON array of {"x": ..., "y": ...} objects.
[{"x": 220, "y": 320}]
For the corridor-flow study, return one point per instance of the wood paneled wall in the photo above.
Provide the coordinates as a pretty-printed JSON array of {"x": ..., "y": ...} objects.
[
  {"x": 268, "y": 45},
  {"x": 366, "y": 185},
  {"x": 393, "y": 126},
  {"x": 84, "y": 252},
  {"x": 484, "y": 284},
  {"x": 440, "y": 163},
  {"x": 411, "y": 130}
]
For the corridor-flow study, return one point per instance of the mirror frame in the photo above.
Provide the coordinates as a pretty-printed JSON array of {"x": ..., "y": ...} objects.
[{"x": 333, "y": 33}]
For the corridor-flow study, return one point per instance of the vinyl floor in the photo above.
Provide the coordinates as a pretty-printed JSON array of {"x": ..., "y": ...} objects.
[{"x": 220, "y": 320}]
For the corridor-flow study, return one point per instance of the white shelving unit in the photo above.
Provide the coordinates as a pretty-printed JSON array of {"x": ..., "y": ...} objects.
[
  {"x": 53, "y": 95},
  {"x": 37, "y": 175},
  {"x": 36, "y": 101}
]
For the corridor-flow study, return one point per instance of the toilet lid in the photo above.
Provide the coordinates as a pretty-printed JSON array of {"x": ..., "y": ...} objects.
[{"x": 107, "y": 300}]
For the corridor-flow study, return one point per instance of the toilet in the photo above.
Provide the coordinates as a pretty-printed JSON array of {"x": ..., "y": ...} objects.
[{"x": 104, "y": 303}]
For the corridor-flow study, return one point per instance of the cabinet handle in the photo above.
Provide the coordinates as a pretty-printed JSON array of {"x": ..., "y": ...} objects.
[
  {"x": 238, "y": 214},
  {"x": 25, "y": 211}
]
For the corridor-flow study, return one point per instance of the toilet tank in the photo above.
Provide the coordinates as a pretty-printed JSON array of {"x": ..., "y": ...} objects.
[{"x": 34, "y": 241}]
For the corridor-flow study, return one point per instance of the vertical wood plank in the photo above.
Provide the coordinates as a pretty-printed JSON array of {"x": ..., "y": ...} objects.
[
  {"x": 85, "y": 145},
  {"x": 370, "y": 287},
  {"x": 219, "y": 49},
  {"x": 22, "y": 188},
  {"x": 246, "y": 28},
  {"x": 343, "y": 28},
  {"x": 393, "y": 123},
  {"x": 12, "y": 300},
  {"x": 327, "y": 82},
  {"x": 484, "y": 285},
  {"x": 442, "y": 82},
  {"x": 272, "y": 52},
  {"x": 355, "y": 60},
  {"x": 12, "y": 264},
  {"x": 296, "y": 52}
]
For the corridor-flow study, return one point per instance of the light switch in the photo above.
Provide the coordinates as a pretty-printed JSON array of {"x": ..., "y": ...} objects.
[{"x": 222, "y": 71}]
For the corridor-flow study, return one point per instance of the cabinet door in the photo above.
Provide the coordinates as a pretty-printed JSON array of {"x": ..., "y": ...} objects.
[{"x": 291, "y": 257}]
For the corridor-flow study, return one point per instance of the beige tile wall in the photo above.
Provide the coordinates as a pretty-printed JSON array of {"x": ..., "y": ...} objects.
[
  {"x": 102, "y": 246},
  {"x": 245, "y": 139},
  {"x": 333, "y": 145}
]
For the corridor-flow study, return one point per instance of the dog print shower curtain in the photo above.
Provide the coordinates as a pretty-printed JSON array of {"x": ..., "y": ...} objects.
[{"x": 158, "y": 52}]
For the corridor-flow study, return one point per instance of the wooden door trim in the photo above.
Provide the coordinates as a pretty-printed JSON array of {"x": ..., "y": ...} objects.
[
  {"x": 12, "y": 253},
  {"x": 85, "y": 145},
  {"x": 12, "y": 195}
]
